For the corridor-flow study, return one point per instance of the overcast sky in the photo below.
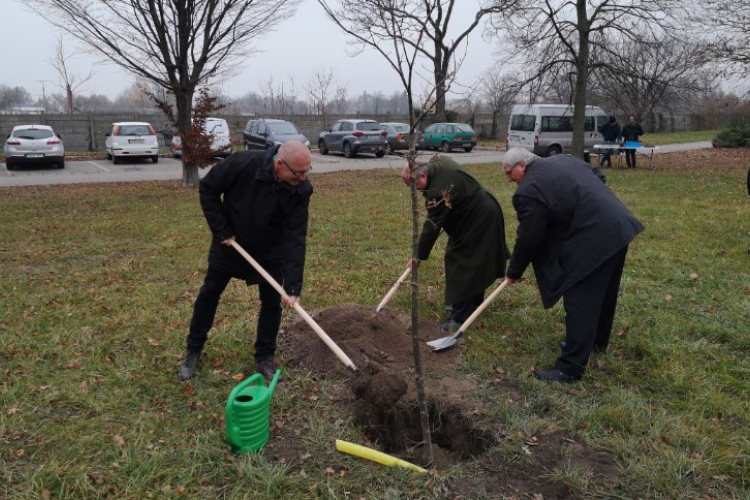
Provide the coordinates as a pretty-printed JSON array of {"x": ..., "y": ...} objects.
[{"x": 300, "y": 46}]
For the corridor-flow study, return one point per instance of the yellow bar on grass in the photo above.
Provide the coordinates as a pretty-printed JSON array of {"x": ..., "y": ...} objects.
[{"x": 375, "y": 456}]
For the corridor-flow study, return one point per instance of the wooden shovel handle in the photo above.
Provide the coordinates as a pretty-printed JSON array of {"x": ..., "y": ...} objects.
[
  {"x": 308, "y": 319},
  {"x": 466, "y": 324},
  {"x": 393, "y": 290}
]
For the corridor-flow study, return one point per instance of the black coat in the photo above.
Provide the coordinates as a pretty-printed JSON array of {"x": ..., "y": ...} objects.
[
  {"x": 476, "y": 252},
  {"x": 631, "y": 132},
  {"x": 569, "y": 224},
  {"x": 611, "y": 132},
  {"x": 242, "y": 197}
]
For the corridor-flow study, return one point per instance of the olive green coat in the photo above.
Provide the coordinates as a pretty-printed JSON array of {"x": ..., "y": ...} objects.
[{"x": 473, "y": 220}]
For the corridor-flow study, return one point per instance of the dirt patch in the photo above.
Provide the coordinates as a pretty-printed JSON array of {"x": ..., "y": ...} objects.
[{"x": 382, "y": 397}]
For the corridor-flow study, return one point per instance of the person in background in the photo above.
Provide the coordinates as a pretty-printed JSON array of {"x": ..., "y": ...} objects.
[
  {"x": 470, "y": 215},
  {"x": 630, "y": 133},
  {"x": 612, "y": 134},
  {"x": 259, "y": 199},
  {"x": 575, "y": 232}
]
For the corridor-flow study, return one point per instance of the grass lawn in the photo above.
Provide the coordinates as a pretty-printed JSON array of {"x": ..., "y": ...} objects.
[{"x": 98, "y": 283}]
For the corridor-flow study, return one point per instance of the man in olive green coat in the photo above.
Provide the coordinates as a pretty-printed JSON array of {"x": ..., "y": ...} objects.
[{"x": 473, "y": 220}]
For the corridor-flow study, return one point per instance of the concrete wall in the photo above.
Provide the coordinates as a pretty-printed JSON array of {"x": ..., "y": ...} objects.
[{"x": 85, "y": 132}]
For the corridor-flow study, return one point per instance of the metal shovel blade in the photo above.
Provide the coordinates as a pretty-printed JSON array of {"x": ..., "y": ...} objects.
[{"x": 445, "y": 342}]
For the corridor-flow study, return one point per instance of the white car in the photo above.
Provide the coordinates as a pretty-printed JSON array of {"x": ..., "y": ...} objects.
[
  {"x": 33, "y": 144},
  {"x": 131, "y": 140}
]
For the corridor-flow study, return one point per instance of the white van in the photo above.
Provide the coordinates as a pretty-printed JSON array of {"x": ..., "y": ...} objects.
[
  {"x": 547, "y": 129},
  {"x": 221, "y": 139}
]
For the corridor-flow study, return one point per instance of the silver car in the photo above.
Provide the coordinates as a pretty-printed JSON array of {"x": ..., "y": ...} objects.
[
  {"x": 33, "y": 144},
  {"x": 352, "y": 137}
]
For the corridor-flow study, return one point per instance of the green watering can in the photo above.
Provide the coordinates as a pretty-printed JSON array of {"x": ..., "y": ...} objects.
[{"x": 248, "y": 413}]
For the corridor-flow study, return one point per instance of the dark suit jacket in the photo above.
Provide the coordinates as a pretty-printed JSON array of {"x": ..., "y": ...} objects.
[{"x": 569, "y": 224}]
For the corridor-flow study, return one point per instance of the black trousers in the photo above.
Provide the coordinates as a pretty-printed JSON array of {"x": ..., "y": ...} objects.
[
  {"x": 460, "y": 312},
  {"x": 630, "y": 157},
  {"x": 204, "y": 312},
  {"x": 589, "y": 314}
]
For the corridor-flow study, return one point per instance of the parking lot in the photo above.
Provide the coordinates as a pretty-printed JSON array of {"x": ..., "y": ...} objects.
[{"x": 91, "y": 171}]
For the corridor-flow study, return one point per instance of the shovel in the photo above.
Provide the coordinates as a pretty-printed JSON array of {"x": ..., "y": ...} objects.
[
  {"x": 446, "y": 342},
  {"x": 393, "y": 290},
  {"x": 308, "y": 319}
]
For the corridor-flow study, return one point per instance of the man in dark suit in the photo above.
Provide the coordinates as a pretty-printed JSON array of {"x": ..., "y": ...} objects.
[{"x": 575, "y": 232}]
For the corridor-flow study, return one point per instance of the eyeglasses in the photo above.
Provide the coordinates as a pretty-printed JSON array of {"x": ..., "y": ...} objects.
[
  {"x": 294, "y": 172},
  {"x": 510, "y": 170}
]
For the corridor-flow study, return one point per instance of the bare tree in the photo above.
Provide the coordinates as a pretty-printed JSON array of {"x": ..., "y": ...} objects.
[
  {"x": 443, "y": 50},
  {"x": 178, "y": 45},
  {"x": 399, "y": 30},
  {"x": 655, "y": 73},
  {"x": 68, "y": 82},
  {"x": 500, "y": 90},
  {"x": 561, "y": 37},
  {"x": 728, "y": 23},
  {"x": 340, "y": 101},
  {"x": 279, "y": 98},
  {"x": 13, "y": 96},
  {"x": 319, "y": 92}
]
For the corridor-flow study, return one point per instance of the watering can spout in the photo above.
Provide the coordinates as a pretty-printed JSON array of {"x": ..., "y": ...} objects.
[{"x": 274, "y": 381}]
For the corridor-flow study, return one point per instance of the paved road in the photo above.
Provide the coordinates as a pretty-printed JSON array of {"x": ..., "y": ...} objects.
[{"x": 77, "y": 172}]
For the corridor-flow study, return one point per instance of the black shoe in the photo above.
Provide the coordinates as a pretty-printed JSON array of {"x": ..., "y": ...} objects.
[
  {"x": 450, "y": 326},
  {"x": 555, "y": 375},
  {"x": 190, "y": 364},
  {"x": 267, "y": 368}
]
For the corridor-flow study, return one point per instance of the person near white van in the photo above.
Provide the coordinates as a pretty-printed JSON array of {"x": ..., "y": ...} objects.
[
  {"x": 612, "y": 134},
  {"x": 631, "y": 133}
]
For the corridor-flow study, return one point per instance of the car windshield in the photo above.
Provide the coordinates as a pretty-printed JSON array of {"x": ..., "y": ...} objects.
[
  {"x": 401, "y": 128},
  {"x": 33, "y": 133},
  {"x": 464, "y": 128},
  {"x": 135, "y": 130},
  {"x": 282, "y": 128},
  {"x": 368, "y": 126}
]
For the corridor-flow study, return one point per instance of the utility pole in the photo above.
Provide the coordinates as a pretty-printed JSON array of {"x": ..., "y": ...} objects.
[{"x": 44, "y": 96}]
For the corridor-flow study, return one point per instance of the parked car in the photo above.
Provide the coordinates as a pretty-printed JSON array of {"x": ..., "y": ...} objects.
[
  {"x": 217, "y": 129},
  {"x": 131, "y": 140},
  {"x": 266, "y": 133},
  {"x": 175, "y": 146},
  {"x": 221, "y": 139},
  {"x": 352, "y": 137},
  {"x": 447, "y": 136},
  {"x": 33, "y": 144},
  {"x": 398, "y": 135}
]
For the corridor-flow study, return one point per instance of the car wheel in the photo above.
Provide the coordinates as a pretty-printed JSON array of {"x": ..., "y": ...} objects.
[
  {"x": 468, "y": 149},
  {"x": 109, "y": 156},
  {"x": 348, "y": 151},
  {"x": 445, "y": 147},
  {"x": 322, "y": 147},
  {"x": 554, "y": 150},
  {"x": 380, "y": 154},
  {"x": 155, "y": 158},
  {"x": 115, "y": 160},
  {"x": 389, "y": 148},
  {"x": 9, "y": 165},
  {"x": 61, "y": 164}
]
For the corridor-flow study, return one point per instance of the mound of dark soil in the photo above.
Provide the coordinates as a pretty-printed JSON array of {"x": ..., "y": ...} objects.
[{"x": 383, "y": 400}]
